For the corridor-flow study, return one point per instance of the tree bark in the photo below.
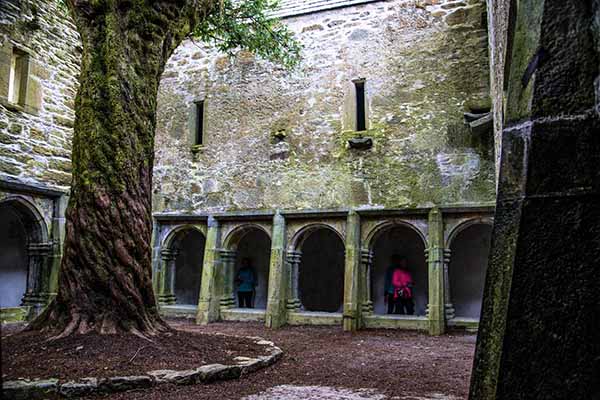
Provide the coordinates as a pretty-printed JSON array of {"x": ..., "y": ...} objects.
[{"x": 105, "y": 279}]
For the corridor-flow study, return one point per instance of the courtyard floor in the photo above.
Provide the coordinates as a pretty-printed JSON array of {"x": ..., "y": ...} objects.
[{"x": 326, "y": 363}]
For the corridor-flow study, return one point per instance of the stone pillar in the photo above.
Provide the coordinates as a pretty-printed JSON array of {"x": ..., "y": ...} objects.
[
  {"x": 293, "y": 261},
  {"x": 228, "y": 258},
  {"x": 435, "y": 259},
  {"x": 166, "y": 285},
  {"x": 538, "y": 333},
  {"x": 37, "y": 275},
  {"x": 208, "y": 304},
  {"x": 366, "y": 257},
  {"x": 449, "y": 307},
  {"x": 352, "y": 283},
  {"x": 58, "y": 238},
  {"x": 276, "y": 304}
]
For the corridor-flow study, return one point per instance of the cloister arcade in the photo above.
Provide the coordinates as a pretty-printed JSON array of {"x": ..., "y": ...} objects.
[
  {"x": 30, "y": 251},
  {"x": 327, "y": 267}
]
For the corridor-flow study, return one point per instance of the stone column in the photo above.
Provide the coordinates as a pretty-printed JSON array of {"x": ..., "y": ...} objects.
[
  {"x": 58, "y": 238},
  {"x": 208, "y": 304},
  {"x": 276, "y": 304},
  {"x": 37, "y": 274},
  {"x": 166, "y": 284},
  {"x": 228, "y": 258},
  {"x": 352, "y": 273},
  {"x": 449, "y": 307},
  {"x": 435, "y": 259},
  {"x": 366, "y": 265},
  {"x": 538, "y": 333},
  {"x": 293, "y": 260}
]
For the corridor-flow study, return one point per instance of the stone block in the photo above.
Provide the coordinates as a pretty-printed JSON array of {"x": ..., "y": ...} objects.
[
  {"x": 78, "y": 389},
  {"x": 29, "y": 390},
  {"x": 122, "y": 383}
]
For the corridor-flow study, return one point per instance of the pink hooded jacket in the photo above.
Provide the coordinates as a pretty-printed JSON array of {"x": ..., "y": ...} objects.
[{"x": 401, "y": 280}]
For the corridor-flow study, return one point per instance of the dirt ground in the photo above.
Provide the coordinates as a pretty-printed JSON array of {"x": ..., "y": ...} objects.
[
  {"x": 31, "y": 355},
  {"x": 327, "y": 363}
]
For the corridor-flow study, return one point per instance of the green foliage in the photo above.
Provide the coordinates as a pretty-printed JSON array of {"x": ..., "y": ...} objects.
[{"x": 249, "y": 25}]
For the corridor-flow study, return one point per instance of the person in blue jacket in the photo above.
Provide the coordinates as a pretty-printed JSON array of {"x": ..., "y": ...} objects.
[{"x": 246, "y": 282}]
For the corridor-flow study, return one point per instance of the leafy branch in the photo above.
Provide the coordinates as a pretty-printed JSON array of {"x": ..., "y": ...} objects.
[{"x": 249, "y": 25}]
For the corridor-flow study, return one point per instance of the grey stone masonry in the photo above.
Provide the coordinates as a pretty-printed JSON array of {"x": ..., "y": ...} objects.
[
  {"x": 36, "y": 131},
  {"x": 279, "y": 139}
]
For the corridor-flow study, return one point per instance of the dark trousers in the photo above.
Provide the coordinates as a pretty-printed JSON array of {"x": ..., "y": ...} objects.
[
  {"x": 400, "y": 305},
  {"x": 245, "y": 299}
]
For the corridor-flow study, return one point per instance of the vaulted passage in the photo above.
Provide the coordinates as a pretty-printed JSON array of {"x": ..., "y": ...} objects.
[
  {"x": 407, "y": 244},
  {"x": 13, "y": 257},
  {"x": 468, "y": 265},
  {"x": 188, "y": 266},
  {"x": 321, "y": 279},
  {"x": 255, "y": 248}
]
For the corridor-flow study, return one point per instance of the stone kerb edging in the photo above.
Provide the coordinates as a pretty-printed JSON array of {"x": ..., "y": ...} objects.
[{"x": 40, "y": 389}]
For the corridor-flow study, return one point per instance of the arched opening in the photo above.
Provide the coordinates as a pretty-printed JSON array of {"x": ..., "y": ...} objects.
[
  {"x": 20, "y": 227},
  {"x": 408, "y": 244},
  {"x": 255, "y": 247},
  {"x": 468, "y": 265},
  {"x": 13, "y": 257},
  {"x": 188, "y": 266},
  {"x": 321, "y": 273}
]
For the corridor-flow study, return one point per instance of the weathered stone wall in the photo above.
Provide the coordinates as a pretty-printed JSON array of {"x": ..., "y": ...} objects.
[
  {"x": 425, "y": 64},
  {"x": 35, "y": 138},
  {"x": 498, "y": 21}
]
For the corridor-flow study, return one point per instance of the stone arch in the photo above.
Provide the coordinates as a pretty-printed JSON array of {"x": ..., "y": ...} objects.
[
  {"x": 320, "y": 281},
  {"x": 233, "y": 239},
  {"x": 24, "y": 250},
  {"x": 382, "y": 227},
  {"x": 183, "y": 257},
  {"x": 171, "y": 239},
  {"x": 398, "y": 237},
  {"x": 465, "y": 225},
  {"x": 253, "y": 242},
  {"x": 303, "y": 233},
  {"x": 469, "y": 245}
]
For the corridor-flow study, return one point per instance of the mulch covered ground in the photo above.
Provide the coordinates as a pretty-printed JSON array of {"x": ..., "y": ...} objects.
[
  {"x": 30, "y": 355},
  {"x": 395, "y": 363}
]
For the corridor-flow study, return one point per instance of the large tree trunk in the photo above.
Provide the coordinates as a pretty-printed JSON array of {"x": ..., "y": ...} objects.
[{"x": 105, "y": 279}]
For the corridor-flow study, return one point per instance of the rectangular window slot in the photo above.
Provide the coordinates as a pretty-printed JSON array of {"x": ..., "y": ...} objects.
[
  {"x": 361, "y": 123},
  {"x": 199, "y": 139},
  {"x": 17, "y": 80}
]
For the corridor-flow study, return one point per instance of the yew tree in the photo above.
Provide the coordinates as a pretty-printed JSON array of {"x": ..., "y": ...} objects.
[{"x": 105, "y": 280}]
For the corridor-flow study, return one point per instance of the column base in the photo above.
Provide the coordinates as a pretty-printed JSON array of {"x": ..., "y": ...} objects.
[
  {"x": 450, "y": 311},
  {"x": 35, "y": 299},
  {"x": 294, "y": 305},
  {"x": 166, "y": 299},
  {"x": 227, "y": 302},
  {"x": 367, "y": 308}
]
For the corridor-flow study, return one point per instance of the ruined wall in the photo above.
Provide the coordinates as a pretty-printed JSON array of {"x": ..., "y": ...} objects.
[
  {"x": 35, "y": 137},
  {"x": 425, "y": 64}
]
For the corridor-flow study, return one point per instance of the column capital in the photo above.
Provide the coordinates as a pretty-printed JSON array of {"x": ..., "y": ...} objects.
[
  {"x": 228, "y": 255},
  {"x": 293, "y": 256},
  {"x": 40, "y": 249},
  {"x": 168, "y": 254},
  {"x": 366, "y": 256}
]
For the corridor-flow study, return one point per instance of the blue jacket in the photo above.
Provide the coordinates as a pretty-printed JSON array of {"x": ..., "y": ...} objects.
[
  {"x": 246, "y": 280},
  {"x": 388, "y": 287}
]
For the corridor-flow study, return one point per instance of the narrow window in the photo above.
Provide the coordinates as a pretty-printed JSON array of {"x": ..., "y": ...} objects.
[
  {"x": 17, "y": 80},
  {"x": 361, "y": 124},
  {"x": 199, "y": 122}
]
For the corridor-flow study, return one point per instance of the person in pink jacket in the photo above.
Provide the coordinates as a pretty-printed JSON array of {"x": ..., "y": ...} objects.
[{"x": 399, "y": 284}]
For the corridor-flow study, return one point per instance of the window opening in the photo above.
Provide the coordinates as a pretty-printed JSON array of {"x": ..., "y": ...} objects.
[
  {"x": 361, "y": 123},
  {"x": 199, "y": 122}
]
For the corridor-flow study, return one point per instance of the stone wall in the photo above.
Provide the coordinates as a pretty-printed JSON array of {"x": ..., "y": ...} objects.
[
  {"x": 279, "y": 139},
  {"x": 498, "y": 21},
  {"x": 35, "y": 137}
]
